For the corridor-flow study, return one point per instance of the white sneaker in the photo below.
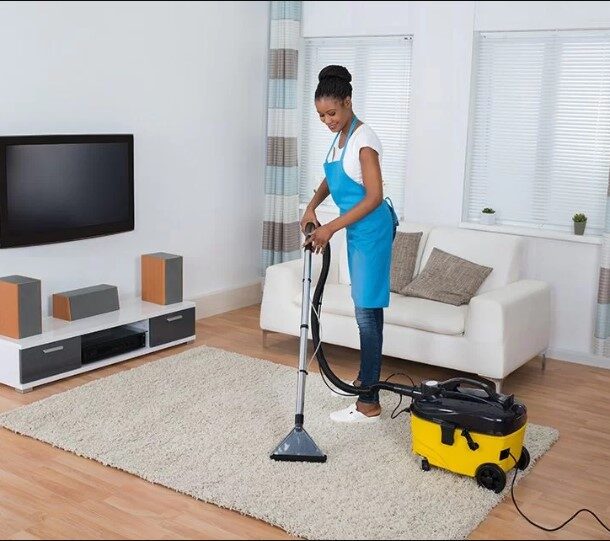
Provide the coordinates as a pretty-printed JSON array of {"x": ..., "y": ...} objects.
[
  {"x": 352, "y": 415},
  {"x": 340, "y": 393}
]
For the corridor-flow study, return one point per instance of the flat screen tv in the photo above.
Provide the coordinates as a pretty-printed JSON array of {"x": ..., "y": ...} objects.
[{"x": 57, "y": 188}]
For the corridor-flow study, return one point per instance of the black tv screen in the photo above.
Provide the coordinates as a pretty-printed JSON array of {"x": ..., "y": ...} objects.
[{"x": 57, "y": 188}]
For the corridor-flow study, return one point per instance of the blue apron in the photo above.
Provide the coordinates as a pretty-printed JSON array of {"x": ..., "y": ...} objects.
[{"x": 369, "y": 240}]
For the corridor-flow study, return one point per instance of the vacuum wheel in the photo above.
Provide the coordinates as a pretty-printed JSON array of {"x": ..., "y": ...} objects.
[
  {"x": 425, "y": 465},
  {"x": 524, "y": 459},
  {"x": 491, "y": 477}
]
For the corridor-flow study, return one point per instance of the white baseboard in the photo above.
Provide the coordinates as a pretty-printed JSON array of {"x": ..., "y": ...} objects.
[
  {"x": 578, "y": 357},
  {"x": 226, "y": 300}
]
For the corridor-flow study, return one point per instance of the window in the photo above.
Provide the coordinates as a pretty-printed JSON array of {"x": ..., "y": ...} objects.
[
  {"x": 539, "y": 135},
  {"x": 380, "y": 69}
]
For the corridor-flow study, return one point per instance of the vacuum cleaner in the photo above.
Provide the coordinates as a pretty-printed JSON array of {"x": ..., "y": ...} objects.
[{"x": 461, "y": 425}]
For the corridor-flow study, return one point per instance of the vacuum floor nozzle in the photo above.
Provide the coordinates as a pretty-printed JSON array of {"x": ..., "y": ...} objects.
[{"x": 298, "y": 446}]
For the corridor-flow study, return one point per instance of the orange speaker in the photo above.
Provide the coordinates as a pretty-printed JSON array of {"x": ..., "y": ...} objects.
[
  {"x": 20, "y": 306},
  {"x": 161, "y": 278}
]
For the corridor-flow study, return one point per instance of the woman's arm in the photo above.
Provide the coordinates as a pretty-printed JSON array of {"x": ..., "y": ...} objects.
[
  {"x": 321, "y": 194},
  {"x": 309, "y": 215}
]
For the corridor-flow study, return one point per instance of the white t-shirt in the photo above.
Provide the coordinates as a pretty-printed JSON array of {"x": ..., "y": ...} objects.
[{"x": 363, "y": 136}]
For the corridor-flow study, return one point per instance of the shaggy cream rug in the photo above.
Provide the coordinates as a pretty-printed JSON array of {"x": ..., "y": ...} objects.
[{"x": 204, "y": 422}]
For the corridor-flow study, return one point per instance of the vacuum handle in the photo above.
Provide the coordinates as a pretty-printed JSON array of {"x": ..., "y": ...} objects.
[
  {"x": 309, "y": 229},
  {"x": 454, "y": 383}
]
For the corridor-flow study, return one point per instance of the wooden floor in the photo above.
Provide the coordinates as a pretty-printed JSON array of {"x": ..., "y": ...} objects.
[{"x": 46, "y": 493}]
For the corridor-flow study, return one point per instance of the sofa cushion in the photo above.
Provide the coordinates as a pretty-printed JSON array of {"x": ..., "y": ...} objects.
[
  {"x": 404, "y": 257},
  {"x": 503, "y": 253},
  {"x": 407, "y": 227},
  {"x": 426, "y": 315},
  {"x": 422, "y": 314},
  {"x": 447, "y": 278}
]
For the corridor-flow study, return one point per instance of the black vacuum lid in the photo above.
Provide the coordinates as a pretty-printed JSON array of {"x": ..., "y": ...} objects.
[{"x": 473, "y": 410}]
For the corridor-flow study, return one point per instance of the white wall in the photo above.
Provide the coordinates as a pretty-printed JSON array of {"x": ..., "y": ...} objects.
[
  {"x": 531, "y": 15},
  {"x": 189, "y": 81},
  {"x": 442, "y": 56}
]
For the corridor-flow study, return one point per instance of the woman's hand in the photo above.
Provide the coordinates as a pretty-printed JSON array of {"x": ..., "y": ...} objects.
[
  {"x": 309, "y": 216},
  {"x": 320, "y": 238}
]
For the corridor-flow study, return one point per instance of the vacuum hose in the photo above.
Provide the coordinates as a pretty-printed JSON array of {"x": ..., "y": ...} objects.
[{"x": 404, "y": 390}]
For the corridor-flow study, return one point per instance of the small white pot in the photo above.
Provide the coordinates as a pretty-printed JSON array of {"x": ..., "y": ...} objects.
[{"x": 488, "y": 219}]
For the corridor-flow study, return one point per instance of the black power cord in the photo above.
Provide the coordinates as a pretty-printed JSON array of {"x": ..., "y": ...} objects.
[
  {"x": 400, "y": 374},
  {"x": 394, "y": 415},
  {"x": 512, "y": 493}
]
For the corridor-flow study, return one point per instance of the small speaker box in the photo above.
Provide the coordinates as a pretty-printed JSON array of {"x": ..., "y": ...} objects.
[
  {"x": 85, "y": 302},
  {"x": 161, "y": 278},
  {"x": 20, "y": 306}
]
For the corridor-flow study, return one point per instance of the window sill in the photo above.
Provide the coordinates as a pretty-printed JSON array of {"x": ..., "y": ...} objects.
[{"x": 533, "y": 232}]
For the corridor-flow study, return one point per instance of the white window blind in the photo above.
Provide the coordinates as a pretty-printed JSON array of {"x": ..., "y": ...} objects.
[
  {"x": 539, "y": 140},
  {"x": 381, "y": 81}
]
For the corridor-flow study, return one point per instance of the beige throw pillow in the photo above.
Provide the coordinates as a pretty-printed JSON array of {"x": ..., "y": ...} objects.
[
  {"x": 447, "y": 278},
  {"x": 404, "y": 257}
]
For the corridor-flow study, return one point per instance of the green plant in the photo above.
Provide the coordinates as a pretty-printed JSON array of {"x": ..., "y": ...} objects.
[
  {"x": 579, "y": 218},
  {"x": 487, "y": 210}
]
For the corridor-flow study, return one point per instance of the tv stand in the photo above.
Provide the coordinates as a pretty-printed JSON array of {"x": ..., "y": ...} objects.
[{"x": 56, "y": 353}]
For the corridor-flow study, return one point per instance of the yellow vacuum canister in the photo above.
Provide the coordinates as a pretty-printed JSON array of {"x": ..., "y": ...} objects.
[{"x": 469, "y": 429}]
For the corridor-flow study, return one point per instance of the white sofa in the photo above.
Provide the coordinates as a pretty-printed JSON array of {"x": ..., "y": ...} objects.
[{"x": 505, "y": 325}]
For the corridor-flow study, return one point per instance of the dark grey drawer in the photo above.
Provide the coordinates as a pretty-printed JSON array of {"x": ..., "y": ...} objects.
[
  {"x": 170, "y": 327},
  {"x": 48, "y": 360}
]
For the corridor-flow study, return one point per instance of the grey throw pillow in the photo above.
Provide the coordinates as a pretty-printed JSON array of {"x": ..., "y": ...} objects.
[
  {"x": 404, "y": 257},
  {"x": 447, "y": 278}
]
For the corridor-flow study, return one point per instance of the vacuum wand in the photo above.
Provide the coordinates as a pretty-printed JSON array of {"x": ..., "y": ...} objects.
[
  {"x": 304, "y": 331},
  {"x": 299, "y": 446}
]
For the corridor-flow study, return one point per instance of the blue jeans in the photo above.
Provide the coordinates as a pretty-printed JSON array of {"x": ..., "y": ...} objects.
[{"x": 370, "y": 324}]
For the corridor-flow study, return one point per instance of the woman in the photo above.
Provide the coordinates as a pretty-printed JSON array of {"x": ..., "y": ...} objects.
[{"x": 353, "y": 179}]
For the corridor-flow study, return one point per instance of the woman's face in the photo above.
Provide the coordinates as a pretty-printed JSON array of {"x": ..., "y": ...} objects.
[{"x": 335, "y": 113}]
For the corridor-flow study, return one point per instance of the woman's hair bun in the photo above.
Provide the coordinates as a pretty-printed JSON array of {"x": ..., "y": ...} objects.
[
  {"x": 339, "y": 72},
  {"x": 334, "y": 82}
]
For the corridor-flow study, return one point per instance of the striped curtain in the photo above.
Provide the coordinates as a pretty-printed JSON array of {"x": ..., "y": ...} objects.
[
  {"x": 601, "y": 344},
  {"x": 281, "y": 230}
]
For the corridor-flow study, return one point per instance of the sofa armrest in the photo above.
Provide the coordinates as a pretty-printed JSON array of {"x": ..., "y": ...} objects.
[
  {"x": 283, "y": 282},
  {"x": 284, "y": 277},
  {"x": 516, "y": 317}
]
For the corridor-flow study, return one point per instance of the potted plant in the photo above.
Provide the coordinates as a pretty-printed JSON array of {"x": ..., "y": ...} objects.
[
  {"x": 488, "y": 216},
  {"x": 580, "y": 222}
]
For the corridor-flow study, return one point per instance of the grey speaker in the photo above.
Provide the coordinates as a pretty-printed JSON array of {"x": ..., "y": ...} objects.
[{"x": 85, "y": 302}]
